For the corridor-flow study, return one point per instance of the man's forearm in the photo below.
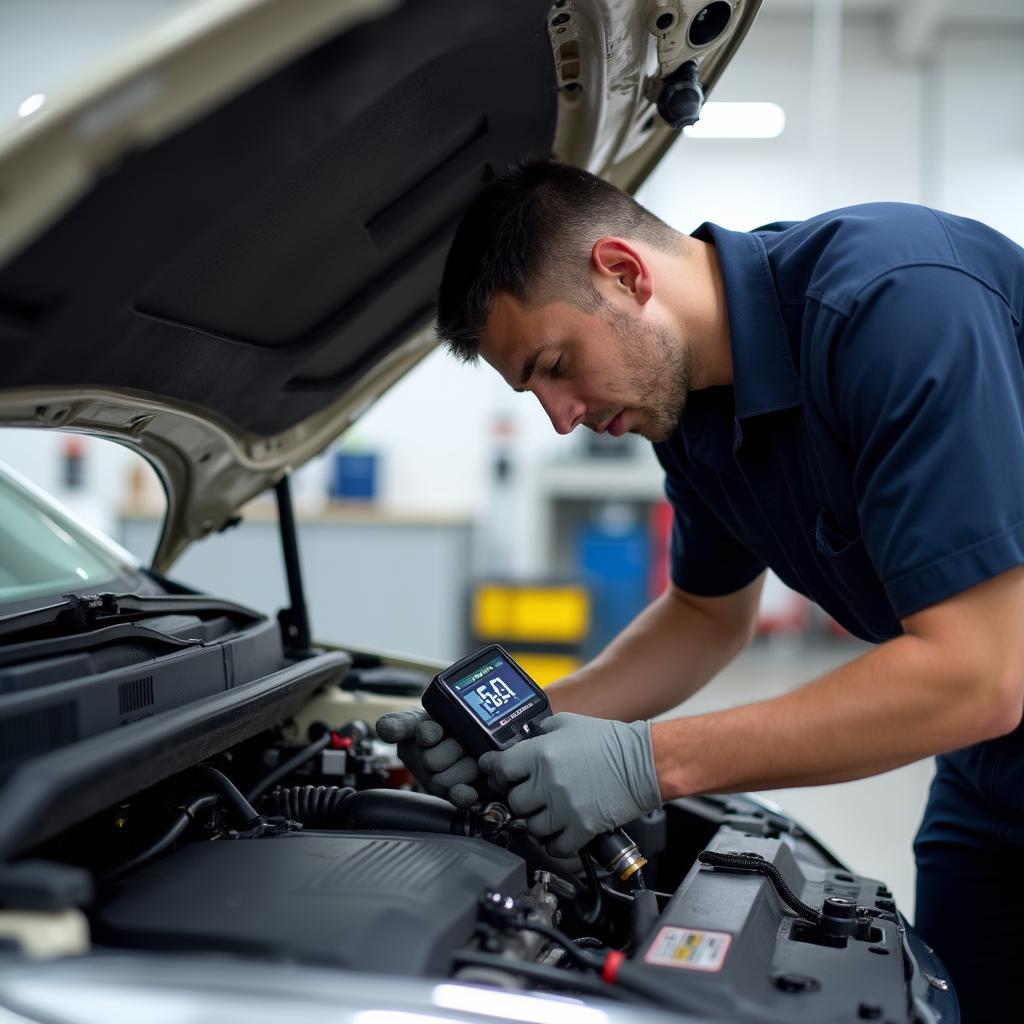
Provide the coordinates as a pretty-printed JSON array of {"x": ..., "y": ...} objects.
[
  {"x": 898, "y": 703},
  {"x": 666, "y": 654}
]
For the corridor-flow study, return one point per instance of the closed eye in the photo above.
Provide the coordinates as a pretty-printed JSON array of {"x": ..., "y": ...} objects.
[{"x": 556, "y": 368}]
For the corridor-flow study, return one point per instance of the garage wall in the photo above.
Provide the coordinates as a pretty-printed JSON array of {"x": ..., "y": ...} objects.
[{"x": 974, "y": 151}]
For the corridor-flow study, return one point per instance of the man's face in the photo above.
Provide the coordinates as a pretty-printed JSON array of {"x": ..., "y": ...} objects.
[{"x": 609, "y": 370}]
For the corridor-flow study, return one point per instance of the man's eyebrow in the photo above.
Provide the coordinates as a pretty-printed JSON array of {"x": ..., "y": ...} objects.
[{"x": 528, "y": 367}]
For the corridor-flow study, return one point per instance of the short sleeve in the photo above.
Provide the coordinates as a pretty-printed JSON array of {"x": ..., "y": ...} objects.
[
  {"x": 927, "y": 385},
  {"x": 706, "y": 559}
]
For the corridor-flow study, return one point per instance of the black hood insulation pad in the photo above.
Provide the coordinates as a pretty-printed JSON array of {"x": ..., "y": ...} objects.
[{"x": 258, "y": 262}]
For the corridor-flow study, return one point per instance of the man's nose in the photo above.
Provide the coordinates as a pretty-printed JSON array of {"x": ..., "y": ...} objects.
[{"x": 564, "y": 411}]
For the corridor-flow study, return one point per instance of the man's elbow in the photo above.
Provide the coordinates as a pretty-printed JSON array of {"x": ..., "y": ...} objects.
[
  {"x": 997, "y": 707},
  {"x": 1007, "y": 708}
]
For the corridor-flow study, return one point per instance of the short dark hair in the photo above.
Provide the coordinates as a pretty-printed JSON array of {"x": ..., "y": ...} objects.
[{"x": 534, "y": 226}]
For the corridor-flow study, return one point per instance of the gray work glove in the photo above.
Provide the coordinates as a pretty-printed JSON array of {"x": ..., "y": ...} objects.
[
  {"x": 436, "y": 760},
  {"x": 583, "y": 776}
]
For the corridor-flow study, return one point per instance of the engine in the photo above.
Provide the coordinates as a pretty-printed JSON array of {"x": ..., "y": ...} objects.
[
  {"x": 376, "y": 901},
  {"x": 738, "y": 915},
  {"x": 319, "y": 853}
]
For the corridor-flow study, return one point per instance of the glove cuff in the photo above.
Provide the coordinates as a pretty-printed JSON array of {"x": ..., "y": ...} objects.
[{"x": 642, "y": 774}]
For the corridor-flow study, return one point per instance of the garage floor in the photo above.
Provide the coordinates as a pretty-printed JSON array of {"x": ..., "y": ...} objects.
[{"x": 870, "y": 824}]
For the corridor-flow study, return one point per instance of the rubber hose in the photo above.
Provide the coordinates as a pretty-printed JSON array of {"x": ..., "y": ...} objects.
[
  {"x": 232, "y": 795},
  {"x": 395, "y": 810},
  {"x": 644, "y": 916},
  {"x": 185, "y": 818},
  {"x": 313, "y": 806},
  {"x": 401, "y": 810}
]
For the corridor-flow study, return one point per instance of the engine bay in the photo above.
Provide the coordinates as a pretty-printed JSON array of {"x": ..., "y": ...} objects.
[{"x": 308, "y": 844}]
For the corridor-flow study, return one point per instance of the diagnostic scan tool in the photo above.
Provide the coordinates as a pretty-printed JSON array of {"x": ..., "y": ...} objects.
[{"x": 487, "y": 702}]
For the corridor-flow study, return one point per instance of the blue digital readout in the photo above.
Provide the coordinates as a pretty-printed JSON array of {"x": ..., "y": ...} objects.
[{"x": 493, "y": 689}]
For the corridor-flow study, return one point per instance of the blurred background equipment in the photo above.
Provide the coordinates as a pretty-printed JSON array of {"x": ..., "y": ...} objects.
[{"x": 543, "y": 625}]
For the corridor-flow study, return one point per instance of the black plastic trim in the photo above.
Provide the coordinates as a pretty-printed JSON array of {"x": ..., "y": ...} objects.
[{"x": 51, "y": 793}]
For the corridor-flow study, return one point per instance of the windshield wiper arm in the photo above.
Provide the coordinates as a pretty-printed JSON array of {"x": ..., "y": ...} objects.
[{"x": 79, "y": 613}]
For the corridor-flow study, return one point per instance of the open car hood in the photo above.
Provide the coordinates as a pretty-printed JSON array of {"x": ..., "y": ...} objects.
[{"x": 222, "y": 246}]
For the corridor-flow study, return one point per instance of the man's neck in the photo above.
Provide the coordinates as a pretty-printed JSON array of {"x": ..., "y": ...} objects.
[{"x": 697, "y": 299}]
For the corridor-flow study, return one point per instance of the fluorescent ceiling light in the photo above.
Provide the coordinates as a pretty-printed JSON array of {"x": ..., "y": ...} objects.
[
  {"x": 30, "y": 105},
  {"x": 738, "y": 121}
]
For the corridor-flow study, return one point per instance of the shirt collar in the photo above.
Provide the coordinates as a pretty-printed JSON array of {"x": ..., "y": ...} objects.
[{"x": 764, "y": 377}]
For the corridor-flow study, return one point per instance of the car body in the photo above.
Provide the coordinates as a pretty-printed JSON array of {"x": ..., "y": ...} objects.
[{"x": 217, "y": 250}]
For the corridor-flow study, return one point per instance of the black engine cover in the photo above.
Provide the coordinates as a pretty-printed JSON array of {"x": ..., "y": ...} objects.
[{"x": 376, "y": 901}]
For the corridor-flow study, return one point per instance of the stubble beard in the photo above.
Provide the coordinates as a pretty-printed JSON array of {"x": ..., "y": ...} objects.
[{"x": 657, "y": 367}]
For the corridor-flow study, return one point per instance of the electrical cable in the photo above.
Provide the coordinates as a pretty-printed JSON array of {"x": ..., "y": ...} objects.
[
  {"x": 644, "y": 915},
  {"x": 756, "y": 863},
  {"x": 585, "y": 961},
  {"x": 306, "y": 754},
  {"x": 185, "y": 818},
  {"x": 553, "y": 977},
  {"x": 592, "y": 914},
  {"x": 613, "y": 893}
]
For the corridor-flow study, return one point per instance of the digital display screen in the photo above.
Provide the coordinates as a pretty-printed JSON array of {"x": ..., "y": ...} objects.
[{"x": 492, "y": 690}]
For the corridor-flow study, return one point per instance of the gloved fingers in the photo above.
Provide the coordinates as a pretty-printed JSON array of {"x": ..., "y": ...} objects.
[
  {"x": 542, "y": 825},
  {"x": 567, "y": 843},
  {"x": 411, "y": 755},
  {"x": 442, "y": 756},
  {"x": 507, "y": 767},
  {"x": 563, "y": 720},
  {"x": 463, "y": 796},
  {"x": 429, "y": 732},
  {"x": 525, "y": 799},
  {"x": 462, "y": 771},
  {"x": 398, "y": 726}
]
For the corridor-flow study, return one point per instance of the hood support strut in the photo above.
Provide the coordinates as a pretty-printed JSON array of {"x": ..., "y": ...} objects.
[{"x": 294, "y": 619}]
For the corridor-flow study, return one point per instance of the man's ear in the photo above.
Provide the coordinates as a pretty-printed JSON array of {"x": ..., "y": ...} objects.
[{"x": 619, "y": 264}]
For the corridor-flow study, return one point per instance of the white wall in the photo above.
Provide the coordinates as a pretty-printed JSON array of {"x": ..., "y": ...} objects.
[{"x": 974, "y": 149}]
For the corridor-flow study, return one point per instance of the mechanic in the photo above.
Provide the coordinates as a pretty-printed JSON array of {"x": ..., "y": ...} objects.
[{"x": 840, "y": 400}]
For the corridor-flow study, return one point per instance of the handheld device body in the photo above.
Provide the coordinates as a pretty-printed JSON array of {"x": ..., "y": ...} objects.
[{"x": 486, "y": 701}]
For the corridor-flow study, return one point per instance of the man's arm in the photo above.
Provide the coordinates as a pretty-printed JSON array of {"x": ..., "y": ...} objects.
[
  {"x": 666, "y": 654},
  {"x": 956, "y": 677}
]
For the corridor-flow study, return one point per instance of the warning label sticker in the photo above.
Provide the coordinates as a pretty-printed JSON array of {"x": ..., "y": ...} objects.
[{"x": 690, "y": 949}]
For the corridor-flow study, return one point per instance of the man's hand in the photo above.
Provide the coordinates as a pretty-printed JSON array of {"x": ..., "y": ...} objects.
[
  {"x": 583, "y": 776},
  {"x": 436, "y": 761}
]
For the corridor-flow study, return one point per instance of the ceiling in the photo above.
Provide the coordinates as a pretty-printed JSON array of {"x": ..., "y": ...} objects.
[{"x": 917, "y": 24}]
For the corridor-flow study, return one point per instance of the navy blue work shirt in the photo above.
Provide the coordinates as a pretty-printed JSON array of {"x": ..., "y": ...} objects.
[{"x": 871, "y": 447}]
